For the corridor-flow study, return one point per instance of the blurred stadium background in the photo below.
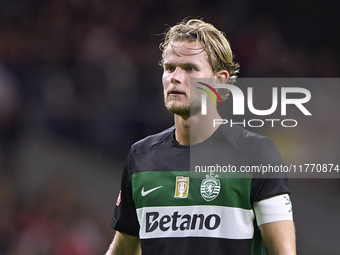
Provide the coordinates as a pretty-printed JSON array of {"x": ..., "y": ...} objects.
[{"x": 80, "y": 82}]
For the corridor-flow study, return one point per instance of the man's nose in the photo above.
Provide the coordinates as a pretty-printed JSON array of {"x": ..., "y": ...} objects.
[{"x": 177, "y": 76}]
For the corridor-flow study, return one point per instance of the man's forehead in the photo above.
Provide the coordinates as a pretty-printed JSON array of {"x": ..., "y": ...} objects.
[{"x": 184, "y": 48}]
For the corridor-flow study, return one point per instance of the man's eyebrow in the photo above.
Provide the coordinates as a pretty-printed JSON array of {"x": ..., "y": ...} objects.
[
  {"x": 181, "y": 64},
  {"x": 189, "y": 64}
]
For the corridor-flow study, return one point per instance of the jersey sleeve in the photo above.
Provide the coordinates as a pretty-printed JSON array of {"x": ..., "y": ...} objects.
[
  {"x": 124, "y": 217},
  {"x": 274, "y": 182}
]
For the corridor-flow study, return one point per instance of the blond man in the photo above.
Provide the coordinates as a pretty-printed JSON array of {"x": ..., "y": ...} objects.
[{"x": 162, "y": 208}]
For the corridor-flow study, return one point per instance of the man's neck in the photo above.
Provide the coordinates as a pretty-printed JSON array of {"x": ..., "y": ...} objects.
[{"x": 195, "y": 129}]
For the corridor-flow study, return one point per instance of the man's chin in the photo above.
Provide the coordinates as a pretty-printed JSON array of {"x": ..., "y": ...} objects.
[
  {"x": 184, "y": 111},
  {"x": 181, "y": 110}
]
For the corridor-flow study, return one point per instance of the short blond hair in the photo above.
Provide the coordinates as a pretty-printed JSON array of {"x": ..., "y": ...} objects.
[{"x": 214, "y": 42}]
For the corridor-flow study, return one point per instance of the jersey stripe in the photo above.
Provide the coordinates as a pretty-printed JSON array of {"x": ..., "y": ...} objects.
[
  {"x": 199, "y": 221},
  {"x": 233, "y": 192}
]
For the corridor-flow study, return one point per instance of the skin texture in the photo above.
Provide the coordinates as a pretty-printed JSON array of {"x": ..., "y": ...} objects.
[
  {"x": 184, "y": 60},
  {"x": 279, "y": 237},
  {"x": 124, "y": 244}
]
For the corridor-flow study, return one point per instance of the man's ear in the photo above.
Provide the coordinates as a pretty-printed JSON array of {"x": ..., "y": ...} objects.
[{"x": 222, "y": 76}]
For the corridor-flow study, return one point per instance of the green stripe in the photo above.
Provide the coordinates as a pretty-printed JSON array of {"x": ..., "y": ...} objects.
[
  {"x": 234, "y": 192},
  {"x": 209, "y": 94}
]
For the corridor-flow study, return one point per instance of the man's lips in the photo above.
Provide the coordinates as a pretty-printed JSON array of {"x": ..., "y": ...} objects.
[{"x": 176, "y": 92}]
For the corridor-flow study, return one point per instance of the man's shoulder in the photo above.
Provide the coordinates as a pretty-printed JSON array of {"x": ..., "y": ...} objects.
[{"x": 153, "y": 140}]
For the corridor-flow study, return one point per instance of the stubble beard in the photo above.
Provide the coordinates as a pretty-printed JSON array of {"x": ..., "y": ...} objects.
[{"x": 185, "y": 109}]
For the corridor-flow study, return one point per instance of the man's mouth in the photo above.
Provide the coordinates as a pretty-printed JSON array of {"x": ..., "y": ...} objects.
[{"x": 176, "y": 92}]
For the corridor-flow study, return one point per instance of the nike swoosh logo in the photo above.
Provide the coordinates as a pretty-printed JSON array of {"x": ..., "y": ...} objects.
[{"x": 144, "y": 193}]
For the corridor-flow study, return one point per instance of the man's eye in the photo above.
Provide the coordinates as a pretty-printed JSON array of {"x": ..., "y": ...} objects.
[
  {"x": 170, "y": 69},
  {"x": 190, "y": 69}
]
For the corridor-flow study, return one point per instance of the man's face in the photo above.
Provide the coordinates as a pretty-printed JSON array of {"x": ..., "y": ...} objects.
[{"x": 183, "y": 60}]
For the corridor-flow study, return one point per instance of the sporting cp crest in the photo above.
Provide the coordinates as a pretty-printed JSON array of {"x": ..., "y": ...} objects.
[{"x": 210, "y": 187}]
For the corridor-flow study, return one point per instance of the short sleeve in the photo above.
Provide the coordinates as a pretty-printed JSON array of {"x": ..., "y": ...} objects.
[
  {"x": 124, "y": 217},
  {"x": 272, "y": 183}
]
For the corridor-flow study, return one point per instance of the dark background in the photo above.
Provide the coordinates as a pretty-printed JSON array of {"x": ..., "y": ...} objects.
[{"x": 80, "y": 82}]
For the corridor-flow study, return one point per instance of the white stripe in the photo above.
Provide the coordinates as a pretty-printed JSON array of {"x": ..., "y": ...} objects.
[
  {"x": 204, "y": 104},
  {"x": 218, "y": 222}
]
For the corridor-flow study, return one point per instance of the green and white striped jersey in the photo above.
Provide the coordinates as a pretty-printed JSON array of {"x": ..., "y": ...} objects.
[{"x": 174, "y": 210}]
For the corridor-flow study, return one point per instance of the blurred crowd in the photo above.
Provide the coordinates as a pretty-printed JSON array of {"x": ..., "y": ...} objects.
[
  {"x": 87, "y": 72},
  {"x": 53, "y": 223}
]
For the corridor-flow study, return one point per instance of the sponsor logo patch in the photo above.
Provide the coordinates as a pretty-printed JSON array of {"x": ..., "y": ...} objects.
[
  {"x": 184, "y": 222},
  {"x": 144, "y": 193}
]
